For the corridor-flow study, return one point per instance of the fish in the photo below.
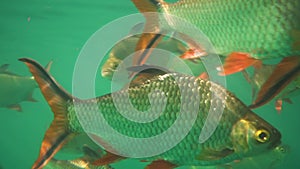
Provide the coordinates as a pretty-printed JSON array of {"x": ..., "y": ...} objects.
[
  {"x": 260, "y": 76},
  {"x": 245, "y": 33},
  {"x": 239, "y": 133},
  {"x": 15, "y": 89},
  {"x": 126, "y": 47},
  {"x": 268, "y": 160},
  {"x": 79, "y": 163},
  {"x": 271, "y": 82}
]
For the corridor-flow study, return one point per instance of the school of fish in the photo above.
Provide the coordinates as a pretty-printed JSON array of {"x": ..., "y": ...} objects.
[{"x": 245, "y": 33}]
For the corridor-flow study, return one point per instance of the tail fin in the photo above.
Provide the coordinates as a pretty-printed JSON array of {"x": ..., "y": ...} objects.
[
  {"x": 285, "y": 72},
  {"x": 57, "y": 134}
]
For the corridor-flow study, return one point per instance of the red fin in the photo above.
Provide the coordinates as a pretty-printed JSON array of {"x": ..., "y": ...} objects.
[
  {"x": 15, "y": 107},
  {"x": 285, "y": 72},
  {"x": 161, "y": 164},
  {"x": 193, "y": 55},
  {"x": 278, "y": 106},
  {"x": 108, "y": 158},
  {"x": 57, "y": 134},
  {"x": 203, "y": 75},
  {"x": 237, "y": 62}
]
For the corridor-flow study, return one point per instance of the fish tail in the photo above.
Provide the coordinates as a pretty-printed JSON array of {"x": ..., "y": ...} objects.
[
  {"x": 57, "y": 134},
  {"x": 284, "y": 73},
  {"x": 238, "y": 61}
]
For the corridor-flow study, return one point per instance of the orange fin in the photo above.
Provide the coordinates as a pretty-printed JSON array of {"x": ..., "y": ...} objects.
[
  {"x": 15, "y": 107},
  {"x": 193, "y": 55},
  {"x": 238, "y": 61},
  {"x": 285, "y": 72},
  {"x": 161, "y": 164},
  {"x": 204, "y": 75},
  {"x": 278, "y": 106},
  {"x": 108, "y": 158},
  {"x": 57, "y": 134}
]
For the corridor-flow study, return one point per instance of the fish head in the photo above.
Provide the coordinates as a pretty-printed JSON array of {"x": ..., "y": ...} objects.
[
  {"x": 251, "y": 135},
  {"x": 110, "y": 66}
]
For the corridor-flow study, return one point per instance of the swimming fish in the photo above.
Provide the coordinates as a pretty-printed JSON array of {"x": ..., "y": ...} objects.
[
  {"x": 239, "y": 133},
  {"x": 268, "y": 160},
  {"x": 126, "y": 47},
  {"x": 15, "y": 89},
  {"x": 272, "y": 81},
  {"x": 80, "y": 163},
  {"x": 245, "y": 33}
]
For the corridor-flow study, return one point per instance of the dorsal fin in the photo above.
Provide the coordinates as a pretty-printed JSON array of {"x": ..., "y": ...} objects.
[{"x": 145, "y": 72}]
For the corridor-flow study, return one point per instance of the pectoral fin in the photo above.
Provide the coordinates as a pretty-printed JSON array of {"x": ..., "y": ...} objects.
[
  {"x": 238, "y": 61},
  {"x": 214, "y": 155}
]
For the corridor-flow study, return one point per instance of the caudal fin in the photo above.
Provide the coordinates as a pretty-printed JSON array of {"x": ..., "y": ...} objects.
[
  {"x": 285, "y": 72},
  {"x": 57, "y": 134}
]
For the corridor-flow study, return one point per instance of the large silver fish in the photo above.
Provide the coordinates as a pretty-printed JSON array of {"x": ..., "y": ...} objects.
[{"x": 239, "y": 133}]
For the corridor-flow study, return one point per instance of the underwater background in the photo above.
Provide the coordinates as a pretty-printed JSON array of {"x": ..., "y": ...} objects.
[{"x": 56, "y": 30}]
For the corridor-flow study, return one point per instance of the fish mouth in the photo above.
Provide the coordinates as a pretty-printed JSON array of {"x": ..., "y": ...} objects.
[{"x": 276, "y": 137}]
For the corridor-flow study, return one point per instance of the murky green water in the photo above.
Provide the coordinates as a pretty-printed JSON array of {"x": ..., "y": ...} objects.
[{"x": 57, "y": 30}]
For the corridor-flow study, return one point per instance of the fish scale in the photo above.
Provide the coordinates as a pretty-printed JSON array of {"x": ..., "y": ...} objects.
[
  {"x": 139, "y": 95},
  {"x": 239, "y": 133},
  {"x": 262, "y": 28}
]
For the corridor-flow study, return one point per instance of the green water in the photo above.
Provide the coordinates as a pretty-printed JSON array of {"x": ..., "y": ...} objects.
[{"x": 57, "y": 30}]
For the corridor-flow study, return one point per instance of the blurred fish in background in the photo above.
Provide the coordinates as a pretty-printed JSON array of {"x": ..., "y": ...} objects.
[
  {"x": 80, "y": 163},
  {"x": 15, "y": 89}
]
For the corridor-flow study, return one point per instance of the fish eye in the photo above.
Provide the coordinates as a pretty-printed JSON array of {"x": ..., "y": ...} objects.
[{"x": 262, "y": 135}]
